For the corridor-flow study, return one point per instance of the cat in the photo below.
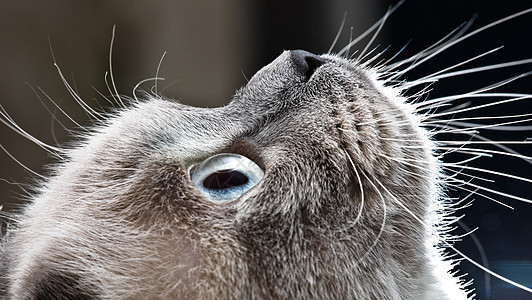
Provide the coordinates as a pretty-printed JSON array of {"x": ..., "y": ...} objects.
[{"x": 320, "y": 179}]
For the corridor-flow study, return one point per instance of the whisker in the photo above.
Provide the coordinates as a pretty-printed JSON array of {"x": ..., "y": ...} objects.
[
  {"x": 487, "y": 270},
  {"x": 350, "y": 40},
  {"x": 455, "y": 121},
  {"x": 469, "y": 127},
  {"x": 499, "y": 102},
  {"x": 384, "y": 216},
  {"x": 510, "y": 196},
  {"x": 20, "y": 163},
  {"x": 11, "y": 124},
  {"x": 371, "y": 59},
  {"x": 371, "y": 29},
  {"x": 468, "y": 160},
  {"x": 62, "y": 111},
  {"x": 434, "y": 77},
  {"x": 156, "y": 79},
  {"x": 54, "y": 115},
  {"x": 482, "y": 252},
  {"x": 115, "y": 95},
  {"x": 102, "y": 95},
  {"x": 383, "y": 20},
  {"x": 458, "y": 165},
  {"x": 453, "y": 35},
  {"x": 360, "y": 184},
  {"x": 458, "y": 40},
  {"x": 338, "y": 33},
  {"x": 91, "y": 113},
  {"x": 157, "y": 72},
  {"x": 486, "y": 142},
  {"x": 472, "y": 95},
  {"x": 382, "y": 68},
  {"x": 475, "y": 150}
]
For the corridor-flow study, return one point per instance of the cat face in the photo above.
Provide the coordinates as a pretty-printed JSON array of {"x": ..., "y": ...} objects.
[{"x": 343, "y": 200}]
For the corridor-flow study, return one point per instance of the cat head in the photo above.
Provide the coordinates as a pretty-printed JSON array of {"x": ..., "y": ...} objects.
[{"x": 316, "y": 179}]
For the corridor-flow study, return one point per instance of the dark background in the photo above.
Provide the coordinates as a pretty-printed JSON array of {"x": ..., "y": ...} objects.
[{"x": 213, "y": 45}]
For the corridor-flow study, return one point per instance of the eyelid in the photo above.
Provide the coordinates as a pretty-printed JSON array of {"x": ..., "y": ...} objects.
[
  {"x": 248, "y": 149},
  {"x": 225, "y": 177}
]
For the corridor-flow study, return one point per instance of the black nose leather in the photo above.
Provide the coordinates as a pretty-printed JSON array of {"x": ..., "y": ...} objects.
[{"x": 305, "y": 62}]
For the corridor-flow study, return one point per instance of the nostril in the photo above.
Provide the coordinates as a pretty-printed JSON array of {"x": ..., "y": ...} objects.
[{"x": 305, "y": 62}]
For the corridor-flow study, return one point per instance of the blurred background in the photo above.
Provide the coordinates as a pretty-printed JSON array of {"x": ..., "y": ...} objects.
[{"x": 213, "y": 46}]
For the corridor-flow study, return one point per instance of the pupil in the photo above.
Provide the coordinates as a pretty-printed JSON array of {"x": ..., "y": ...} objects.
[{"x": 225, "y": 179}]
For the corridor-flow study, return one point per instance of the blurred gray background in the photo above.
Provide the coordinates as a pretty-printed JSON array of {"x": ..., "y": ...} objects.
[{"x": 211, "y": 47}]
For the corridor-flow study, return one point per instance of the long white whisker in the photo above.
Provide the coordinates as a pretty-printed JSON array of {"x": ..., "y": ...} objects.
[
  {"x": 487, "y": 270},
  {"x": 88, "y": 110},
  {"x": 452, "y": 43},
  {"x": 460, "y": 253},
  {"x": 103, "y": 96},
  {"x": 383, "y": 20},
  {"x": 481, "y": 251},
  {"x": 498, "y": 144},
  {"x": 157, "y": 72},
  {"x": 384, "y": 216},
  {"x": 338, "y": 33},
  {"x": 62, "y": 111},
  {"x": 440, "y": 100},
  {"x": 432, "y": 78},
  {"x": 460, "y": 172},
  {"x": 483, "y": 90},
  {"x": 408, "y": 162},
  {"x": 458, "y": 165},
  {"x": 475, "y": 150},
  {"x": 10, "y": 123},
  {"x": 469, "y": 127},
  {"x": 499, "y": 102},
  {"x": 20, "y": 163},
  {"x": 361, "y": 187},
  {"x": 350, "y": 39},
  {"x": 459, "y": 30},
  {"x": 460, "y": 186},
  {"x": 468, "y": 160},
  {"x": 54, "y": 116},
  {"x": 456, "y": 121},
  {"x": 381, "y": 67},
  {"x": 141, "y": 82},
  {"x": 486, "y": 142},
  {"x": 371, "y": 59},
  {"x": 510, "y": 196},
  {"x": 115, "y": 95},
  {"x": 371, "y": 29}
]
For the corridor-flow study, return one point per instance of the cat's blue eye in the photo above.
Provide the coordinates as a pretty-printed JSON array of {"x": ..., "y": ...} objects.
[{"x": 225, "y": 177}]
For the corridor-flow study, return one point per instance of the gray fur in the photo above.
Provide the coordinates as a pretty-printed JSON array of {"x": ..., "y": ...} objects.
[{"x": 120, "y": 219}]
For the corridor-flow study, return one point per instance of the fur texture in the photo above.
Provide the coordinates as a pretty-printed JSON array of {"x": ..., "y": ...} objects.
[{"x": 350, "y": 204}]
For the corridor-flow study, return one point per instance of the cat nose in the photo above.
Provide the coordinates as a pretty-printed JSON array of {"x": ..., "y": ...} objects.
[{"x": 305, "y": 62}]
